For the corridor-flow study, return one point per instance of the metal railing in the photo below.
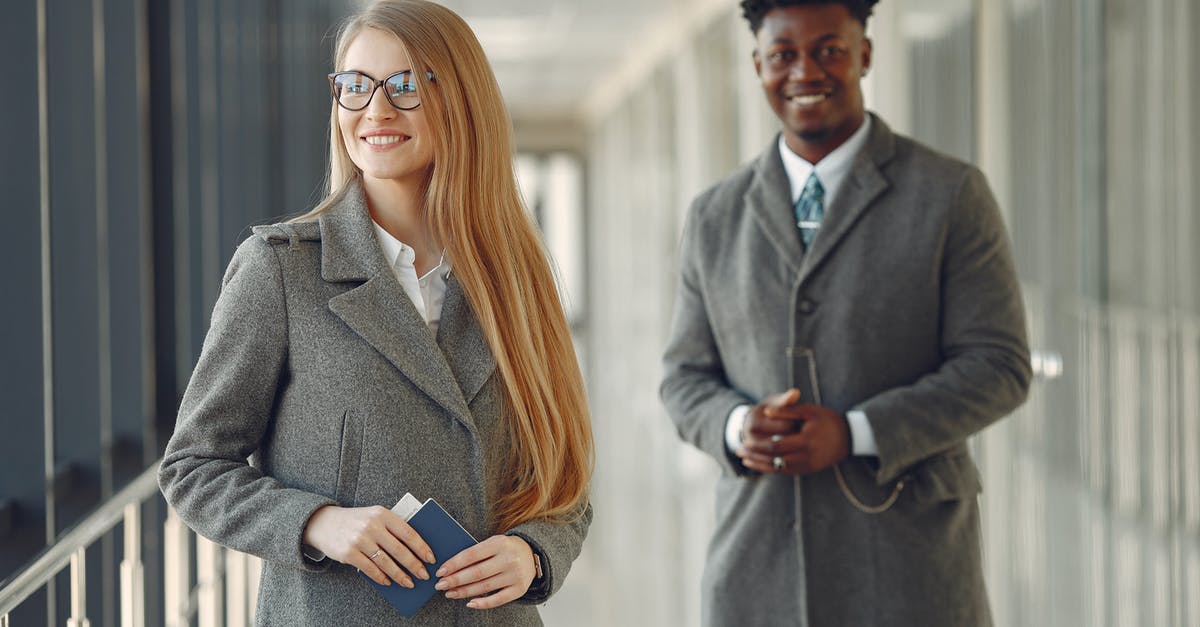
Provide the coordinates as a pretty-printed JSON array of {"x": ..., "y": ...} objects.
[{"x": 224, "y": 578}]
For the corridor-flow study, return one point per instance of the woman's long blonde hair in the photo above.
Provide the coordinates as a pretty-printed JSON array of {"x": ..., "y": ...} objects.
[{"x": 473, "y": 208}]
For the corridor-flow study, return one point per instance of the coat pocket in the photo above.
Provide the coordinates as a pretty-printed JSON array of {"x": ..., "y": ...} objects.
[
  {"x": 946, "y": 477},
  {"x": 349, "y": 459}
]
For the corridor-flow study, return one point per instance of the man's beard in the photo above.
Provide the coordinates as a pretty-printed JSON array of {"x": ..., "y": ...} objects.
[{"x": 815, "y": 136}]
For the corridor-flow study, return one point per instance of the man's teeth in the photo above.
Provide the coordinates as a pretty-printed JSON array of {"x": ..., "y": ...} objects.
[
  {"x": 383, "y": 140},
  {"x": 805, "y": 101}
]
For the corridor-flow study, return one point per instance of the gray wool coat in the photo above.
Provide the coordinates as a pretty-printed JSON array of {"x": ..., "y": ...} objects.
[
  {"x": 909, "y": 301},
  {"x": 318, "y": 368}
]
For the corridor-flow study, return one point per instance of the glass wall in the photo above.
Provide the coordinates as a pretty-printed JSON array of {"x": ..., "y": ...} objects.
[{"x": 143, "y": 137}]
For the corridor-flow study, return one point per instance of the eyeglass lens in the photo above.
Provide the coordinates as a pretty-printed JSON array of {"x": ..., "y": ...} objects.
[{"x": 355, "y": 89}]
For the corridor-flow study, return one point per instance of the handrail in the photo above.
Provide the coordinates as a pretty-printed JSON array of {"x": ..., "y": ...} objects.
[{"x": 56, "y": 557}]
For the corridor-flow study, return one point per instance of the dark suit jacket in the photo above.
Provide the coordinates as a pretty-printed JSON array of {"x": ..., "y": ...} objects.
[
  {"x": 319, "y": 367},
  {"x": 909, "y": 300}
]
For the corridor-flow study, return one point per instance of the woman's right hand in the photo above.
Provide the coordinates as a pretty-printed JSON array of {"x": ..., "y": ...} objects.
[{"x": 372, "y": 539}]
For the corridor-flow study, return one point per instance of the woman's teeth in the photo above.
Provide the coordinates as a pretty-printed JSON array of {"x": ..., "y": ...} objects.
[{"x": 383, "y": 140}]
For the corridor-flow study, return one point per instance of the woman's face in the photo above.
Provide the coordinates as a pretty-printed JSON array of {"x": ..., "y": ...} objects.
[{"x": 386, "y": 143}]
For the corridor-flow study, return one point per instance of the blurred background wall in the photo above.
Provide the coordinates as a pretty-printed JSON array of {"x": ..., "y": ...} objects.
[{"x": 145, "y": 136}]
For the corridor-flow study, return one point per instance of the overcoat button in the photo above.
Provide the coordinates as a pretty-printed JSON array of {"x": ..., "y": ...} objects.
[{"x": 806, "y": 306}]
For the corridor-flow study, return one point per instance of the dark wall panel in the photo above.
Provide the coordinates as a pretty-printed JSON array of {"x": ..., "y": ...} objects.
[
  {"x": 22, "y": 494},
  {"x": 73, "y": 248},
  {"x": 130, "y": 271}
]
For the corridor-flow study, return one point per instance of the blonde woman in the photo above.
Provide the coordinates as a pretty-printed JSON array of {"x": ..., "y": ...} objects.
[{"x": 404, "y": 336}]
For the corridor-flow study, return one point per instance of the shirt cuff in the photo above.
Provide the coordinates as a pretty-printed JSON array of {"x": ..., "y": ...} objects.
[
  {"x": 734, "y": 425},
  {"x": 862, "y": 437}
]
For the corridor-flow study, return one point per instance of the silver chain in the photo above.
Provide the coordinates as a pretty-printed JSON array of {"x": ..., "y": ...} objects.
[{"x": 863, "y": 507}]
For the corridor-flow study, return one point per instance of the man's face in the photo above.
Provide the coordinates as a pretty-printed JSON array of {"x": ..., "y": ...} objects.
[{"x": 810, "y": 59}]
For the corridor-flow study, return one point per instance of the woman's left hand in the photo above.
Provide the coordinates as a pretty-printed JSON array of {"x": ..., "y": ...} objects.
[{"x": 500, "y": 567}]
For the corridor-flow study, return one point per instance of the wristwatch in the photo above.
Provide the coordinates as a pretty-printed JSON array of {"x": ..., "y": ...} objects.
[{"x": 537, "y": 566}]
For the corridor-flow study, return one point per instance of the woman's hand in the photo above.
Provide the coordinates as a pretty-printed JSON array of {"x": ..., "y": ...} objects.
[
  {"x": 502, "y": 565},
  {"x": 372, "y": 539}
]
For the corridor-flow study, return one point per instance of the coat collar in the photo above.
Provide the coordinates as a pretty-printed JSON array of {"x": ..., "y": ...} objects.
[
  {"x": 768, "y": 200},
  {"x": 450, "y": 369},
  {"x": 345, "y": 232}
]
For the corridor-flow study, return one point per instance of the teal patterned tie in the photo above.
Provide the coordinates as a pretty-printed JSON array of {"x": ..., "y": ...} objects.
[{"x": 810, "y": 209}]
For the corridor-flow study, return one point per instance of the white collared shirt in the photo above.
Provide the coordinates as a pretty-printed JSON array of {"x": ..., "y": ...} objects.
[
  {"x": 427, "y": 292},
  {"x": 832, "y": 172}
]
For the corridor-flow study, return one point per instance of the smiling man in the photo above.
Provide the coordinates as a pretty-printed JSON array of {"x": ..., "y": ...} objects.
[{"x": 848, "y": 315}]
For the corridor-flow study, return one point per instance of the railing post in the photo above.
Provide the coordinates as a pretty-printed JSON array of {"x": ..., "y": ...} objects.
[
  {"x": 209, "y": 585},
  {"x": 79, "y": 589},
  {"x": 236, "y": 589},
  {"x": 133, "y": 600},
  {"x": 4, "y": 620},
  {"x": 253, "y": 577},
  {"x": 176, "y": 568}
]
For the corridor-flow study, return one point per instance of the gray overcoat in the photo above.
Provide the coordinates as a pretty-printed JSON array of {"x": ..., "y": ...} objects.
[
  {"x": 909, "y": 301},
  {"x": 318, "y": 368}
]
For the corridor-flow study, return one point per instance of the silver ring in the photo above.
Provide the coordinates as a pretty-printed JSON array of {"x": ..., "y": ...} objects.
[
  {"x": 776, "y": 438},
  {"x": 379, "y": 551},
  {"x": 779, "y": 463}
]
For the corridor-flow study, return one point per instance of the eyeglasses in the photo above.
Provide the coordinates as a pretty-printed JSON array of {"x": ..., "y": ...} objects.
[{"x": 354, "y": 90}]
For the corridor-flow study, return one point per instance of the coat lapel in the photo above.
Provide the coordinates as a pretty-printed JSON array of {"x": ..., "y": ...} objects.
[
  {"x": 378, "y": 310},
  {"x": 462, "y": 341},
  {"x": 864, "y": 184},
  {"x": 768, "y": 201}
]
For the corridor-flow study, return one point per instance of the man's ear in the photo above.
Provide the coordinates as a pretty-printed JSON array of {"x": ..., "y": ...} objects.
[
  {"x": 757, "y": 62},
  {"x": 866, "y": 55}
]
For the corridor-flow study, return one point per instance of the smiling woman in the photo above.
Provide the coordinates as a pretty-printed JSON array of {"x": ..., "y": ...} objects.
[
  {"x": 405, "y": 336},
  {"x": 387, "y": 138}
]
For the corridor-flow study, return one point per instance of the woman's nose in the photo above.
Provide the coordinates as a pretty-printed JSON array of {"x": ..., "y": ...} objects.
[{"x": 379, "y": 107}]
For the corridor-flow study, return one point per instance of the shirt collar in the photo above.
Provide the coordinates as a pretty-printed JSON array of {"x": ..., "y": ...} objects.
[
  {"x": 832, "y": 170},
  {"x": 395, "y": 251},
  {"x": 390, "y": 245}
]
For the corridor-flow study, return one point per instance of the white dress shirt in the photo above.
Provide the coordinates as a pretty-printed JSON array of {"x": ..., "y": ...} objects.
[
  {"x": 832, "y": 172},
  {"x": 426, "y": 292}
]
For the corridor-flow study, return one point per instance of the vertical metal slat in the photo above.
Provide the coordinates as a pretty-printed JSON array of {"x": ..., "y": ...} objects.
[
  {"x": 79, "y": 589},
  {"x": 209, "y": 590},
  {"x": 176, "y": 566},
  {"x": 236, "y": 589},
  {"x": 133, "y": 602}
]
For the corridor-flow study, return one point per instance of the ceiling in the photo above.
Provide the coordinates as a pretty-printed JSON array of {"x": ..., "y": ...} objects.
[
  {"x": 553, "y": 57},
  {"x": 563, "y": 62}
]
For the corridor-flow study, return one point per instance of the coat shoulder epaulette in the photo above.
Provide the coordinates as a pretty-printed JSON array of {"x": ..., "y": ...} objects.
[{"x": 289, "y": 232}]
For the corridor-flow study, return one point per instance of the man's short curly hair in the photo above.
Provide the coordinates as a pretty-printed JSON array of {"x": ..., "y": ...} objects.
[{"x": 755, "y": 10}]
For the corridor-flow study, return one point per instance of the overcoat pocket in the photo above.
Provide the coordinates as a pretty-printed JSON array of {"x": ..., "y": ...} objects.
[
  {"x": 946, "y": 477},
  {"x": 349, "y": 459}
]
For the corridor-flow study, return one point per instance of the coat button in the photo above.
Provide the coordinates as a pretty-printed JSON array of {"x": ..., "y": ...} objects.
[{"x": 806, "y": 306}]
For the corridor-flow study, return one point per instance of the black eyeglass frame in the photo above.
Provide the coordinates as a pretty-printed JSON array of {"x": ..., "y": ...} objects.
[{"x": 333, "y": 90}]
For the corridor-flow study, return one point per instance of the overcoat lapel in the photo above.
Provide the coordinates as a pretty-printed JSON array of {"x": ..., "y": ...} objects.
[
  {"x": 768, "y": 201},
  {"x": 864, "y": 184},
  {"x": 378, "y": 310},
  {"x": 462, "y": 341}
]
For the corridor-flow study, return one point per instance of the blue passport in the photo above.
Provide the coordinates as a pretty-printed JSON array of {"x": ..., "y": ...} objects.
[{"x": 444, "y": 536}]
